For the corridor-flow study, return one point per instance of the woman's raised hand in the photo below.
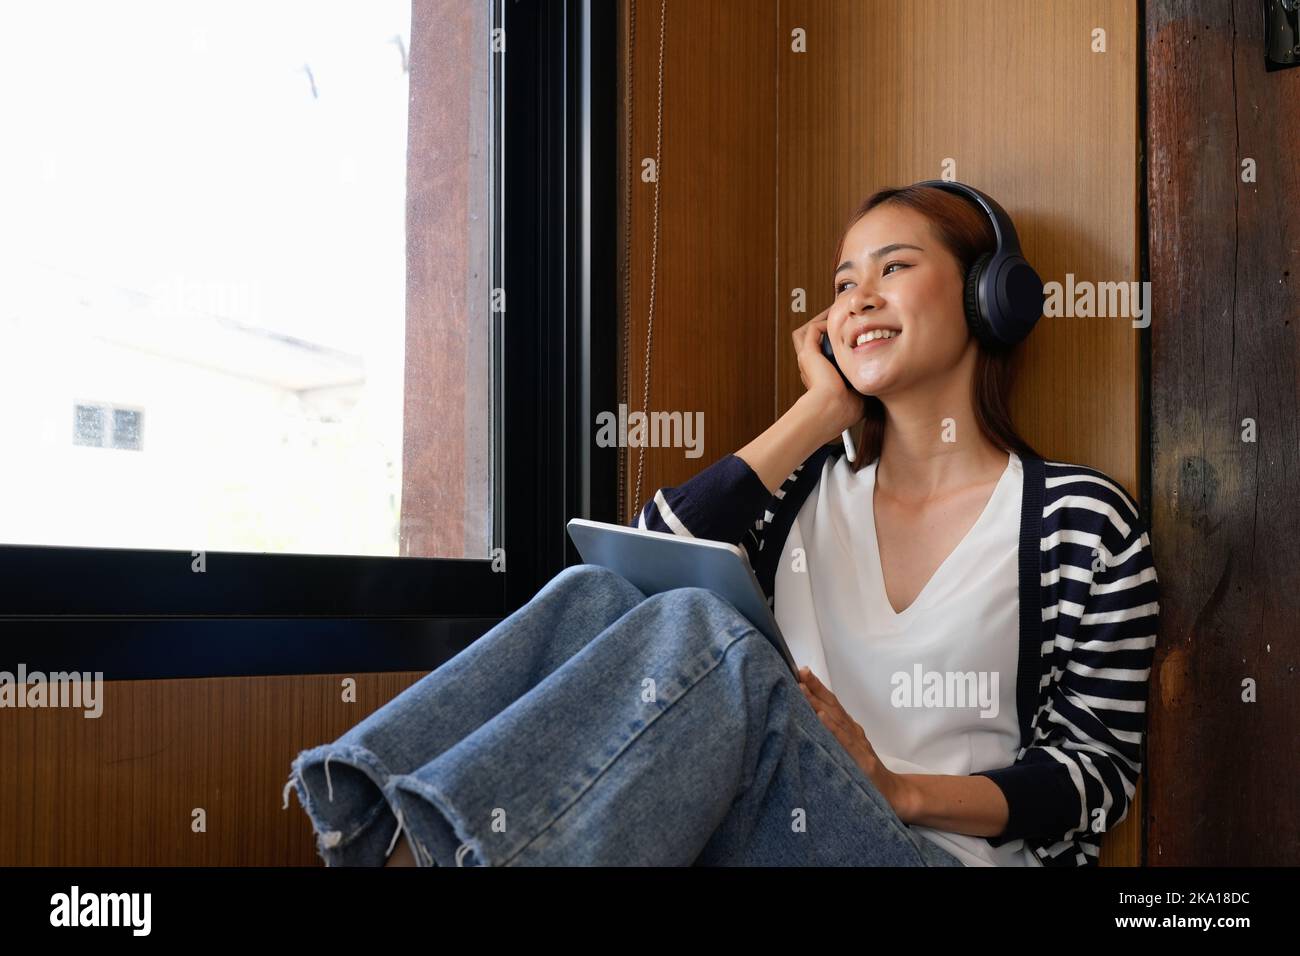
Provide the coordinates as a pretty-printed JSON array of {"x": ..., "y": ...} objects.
[{"x": 843, "y": 406}]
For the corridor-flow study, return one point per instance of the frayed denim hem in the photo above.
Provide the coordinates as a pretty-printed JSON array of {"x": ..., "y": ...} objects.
[{"x": 366, "y": 808}]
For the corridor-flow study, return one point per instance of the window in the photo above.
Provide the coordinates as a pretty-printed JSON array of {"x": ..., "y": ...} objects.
[
  {"x": 288, "y": 231},
  {"x": 126, "y": 428},
  {"x": 215, "y": 225},
  {"x": 88, "y": 427}
]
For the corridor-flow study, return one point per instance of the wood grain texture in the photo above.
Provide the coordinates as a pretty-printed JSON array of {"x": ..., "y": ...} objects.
[
  {"x": 1225, "y": 269},
  {"x": 769, "y": 152},
  {"x": 119, "y": 790},
  {"x": 714, "y": 288}
]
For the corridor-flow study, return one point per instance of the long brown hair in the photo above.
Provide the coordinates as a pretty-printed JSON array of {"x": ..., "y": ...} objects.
[{"x": 967, "y": 233}]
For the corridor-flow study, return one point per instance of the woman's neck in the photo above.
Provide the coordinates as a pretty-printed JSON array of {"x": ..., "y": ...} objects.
[{"x": 931, "y": 448}]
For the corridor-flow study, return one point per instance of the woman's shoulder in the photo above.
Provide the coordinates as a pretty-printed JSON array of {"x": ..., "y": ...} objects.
[{"x": 1082, "y": 494}]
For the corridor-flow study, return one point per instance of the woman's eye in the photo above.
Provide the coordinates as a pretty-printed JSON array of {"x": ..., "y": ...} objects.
[{"x": 841, "y": 286}]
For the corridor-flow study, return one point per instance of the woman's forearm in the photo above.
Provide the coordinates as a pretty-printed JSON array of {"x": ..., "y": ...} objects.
[
  {"x": 790, "y": 440},
  {"x": 959, "y": 804}
]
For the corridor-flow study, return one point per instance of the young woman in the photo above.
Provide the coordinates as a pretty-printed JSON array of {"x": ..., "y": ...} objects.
[{"x": 974, "y": 625}]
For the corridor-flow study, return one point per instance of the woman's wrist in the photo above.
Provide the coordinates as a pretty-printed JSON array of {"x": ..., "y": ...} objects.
[
  {"x": 908, "y": 798},
  {"x": 788, "y": 442},
  {"x": 814, "y": 413}
]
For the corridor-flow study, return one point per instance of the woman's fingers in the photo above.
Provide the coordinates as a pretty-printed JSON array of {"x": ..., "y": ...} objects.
[
  {"x": 817, "y": 687},
  {"x": 801, "y": 337},
  {"x": 804, "y": 335},
  {"x": 835, "y": 721},
  {"x": 823, "y": 701},
  {"x": 828, "y": 709}
]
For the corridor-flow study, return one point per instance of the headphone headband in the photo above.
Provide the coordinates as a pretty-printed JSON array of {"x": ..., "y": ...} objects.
[{"x": 1003, "y": 229}]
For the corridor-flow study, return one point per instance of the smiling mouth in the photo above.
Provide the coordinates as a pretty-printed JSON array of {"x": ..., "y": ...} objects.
[{"x": 873, "y": 343}]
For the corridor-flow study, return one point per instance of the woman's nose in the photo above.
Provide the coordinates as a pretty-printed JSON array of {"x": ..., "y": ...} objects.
[{"x": 863, "y": 301}]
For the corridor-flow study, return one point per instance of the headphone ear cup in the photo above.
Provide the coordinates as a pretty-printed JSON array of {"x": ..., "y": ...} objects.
[
  {"x": 978, "y": 324},
  {"x": 1021, "y": 290}
]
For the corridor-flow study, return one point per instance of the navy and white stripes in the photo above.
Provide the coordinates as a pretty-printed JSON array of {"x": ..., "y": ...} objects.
[{"x": 1092, "y": 640}]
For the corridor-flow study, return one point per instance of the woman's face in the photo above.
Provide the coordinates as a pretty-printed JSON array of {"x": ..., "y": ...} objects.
[{"x": 895, "y": 274}]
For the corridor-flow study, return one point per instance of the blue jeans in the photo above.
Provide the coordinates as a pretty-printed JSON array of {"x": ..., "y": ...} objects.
[{"x": 596, "y": 726}]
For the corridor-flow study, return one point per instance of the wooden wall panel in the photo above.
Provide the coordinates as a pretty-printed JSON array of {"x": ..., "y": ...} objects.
[
  {"x": 710, "y": 345},
  {"x": 1225, "y": 271},
  {"x": 118, "y": 790}
]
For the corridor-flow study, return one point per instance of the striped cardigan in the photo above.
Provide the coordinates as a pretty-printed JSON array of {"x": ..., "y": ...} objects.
[{"x": 1088, "y": 615}]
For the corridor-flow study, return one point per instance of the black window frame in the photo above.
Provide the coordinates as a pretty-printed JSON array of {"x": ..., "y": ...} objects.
[{"x": 134, "y": 614}]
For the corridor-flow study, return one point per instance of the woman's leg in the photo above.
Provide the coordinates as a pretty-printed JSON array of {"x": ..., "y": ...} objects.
[
  {"x": 344, "y": 786},
  {"x": 677, "y": 736},
  {"x": 680, "y": 737}
]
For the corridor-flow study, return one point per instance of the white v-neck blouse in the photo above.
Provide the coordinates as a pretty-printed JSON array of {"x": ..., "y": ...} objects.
[{"x": 934, "y": 687}]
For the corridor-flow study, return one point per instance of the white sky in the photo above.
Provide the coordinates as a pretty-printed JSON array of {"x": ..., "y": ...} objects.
[{"x": 157, "y": 145}]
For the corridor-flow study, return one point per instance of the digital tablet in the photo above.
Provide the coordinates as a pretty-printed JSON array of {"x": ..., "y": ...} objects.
[{"x": 656, "y": 561}]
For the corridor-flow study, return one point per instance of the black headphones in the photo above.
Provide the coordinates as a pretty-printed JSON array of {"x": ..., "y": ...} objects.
[{"x": 1004, "y": 295}]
